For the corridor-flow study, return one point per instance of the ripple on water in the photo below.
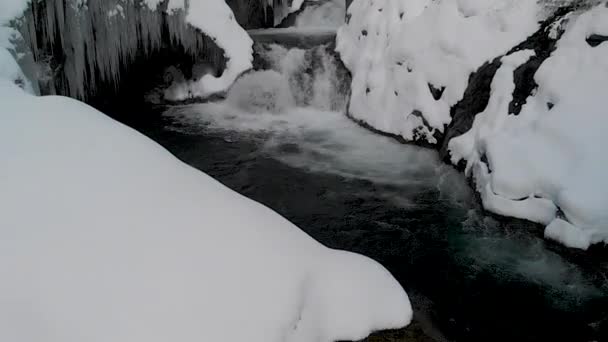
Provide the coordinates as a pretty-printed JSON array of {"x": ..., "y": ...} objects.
[{"x": 399, "y": 204}]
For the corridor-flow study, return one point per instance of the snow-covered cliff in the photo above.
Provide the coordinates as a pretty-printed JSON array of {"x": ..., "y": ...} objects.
[{"x": 509, "y": 88}]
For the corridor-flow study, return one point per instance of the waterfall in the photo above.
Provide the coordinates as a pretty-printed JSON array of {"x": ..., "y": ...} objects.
[
  {"x": 293, "y": 105},
  {"x": 300, "y": 77}
]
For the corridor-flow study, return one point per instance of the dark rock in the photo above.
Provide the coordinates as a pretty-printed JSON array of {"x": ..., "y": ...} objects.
[
  {"x": 596, "y": 39},
  {"x": 477, "y": 94},
  {"x": 475, "y": 101},
  {"x": 436, "y": 92}
]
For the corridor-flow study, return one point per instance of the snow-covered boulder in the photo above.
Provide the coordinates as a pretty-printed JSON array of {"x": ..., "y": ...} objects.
[
  {"x": 411, "y": 60},
  {"x": 546, "y": 164}
]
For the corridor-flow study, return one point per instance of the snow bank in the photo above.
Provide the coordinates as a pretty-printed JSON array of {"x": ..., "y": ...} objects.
[
  {"x": 411, "y": 60},
  {"x": 547, "y": 164},
  {"x": 107, "y": 237}
]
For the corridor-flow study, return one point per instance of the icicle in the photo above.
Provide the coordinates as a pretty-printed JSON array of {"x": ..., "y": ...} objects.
[{"x": 95, "y": 39}]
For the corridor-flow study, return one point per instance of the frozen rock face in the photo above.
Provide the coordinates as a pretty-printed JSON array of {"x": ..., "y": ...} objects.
[
  {"x": 500, "y": 110},
  {"x": 252, "y": 14},
  {"x": 154, "y": 250}
]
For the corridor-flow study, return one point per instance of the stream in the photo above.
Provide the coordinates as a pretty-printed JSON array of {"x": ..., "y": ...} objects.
[{"x": 281, "y": 138}]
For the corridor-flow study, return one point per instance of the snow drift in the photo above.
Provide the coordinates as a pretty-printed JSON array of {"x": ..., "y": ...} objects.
[{"x": 105, "y": 236}]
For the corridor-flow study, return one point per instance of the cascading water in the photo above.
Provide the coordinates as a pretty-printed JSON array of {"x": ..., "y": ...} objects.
[
  {"x": 281, "y": 137},
  {"x": 315, "y": 77}
]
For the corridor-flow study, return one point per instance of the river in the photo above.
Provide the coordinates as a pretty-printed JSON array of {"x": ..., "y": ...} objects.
[{"x": 281, "y": 138}]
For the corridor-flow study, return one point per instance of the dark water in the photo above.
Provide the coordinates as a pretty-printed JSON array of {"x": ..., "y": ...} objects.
[{"x": 471, "y": 276}]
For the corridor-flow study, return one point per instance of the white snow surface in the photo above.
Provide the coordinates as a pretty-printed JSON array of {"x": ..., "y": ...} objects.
[
  {"x": 217, "y": 21},
  {"x": 11, "y": 9},
  {"x": 549, "y": 156},
  {"x": 395, "y": 49},
  {"x": 105, "y": 236}
]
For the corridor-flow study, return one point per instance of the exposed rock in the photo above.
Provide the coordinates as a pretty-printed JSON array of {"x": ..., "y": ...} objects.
[
  {"x": 596, "y": 39},
  {"x": 477, "y": 94},
  {"x": 475, "y": 100}
]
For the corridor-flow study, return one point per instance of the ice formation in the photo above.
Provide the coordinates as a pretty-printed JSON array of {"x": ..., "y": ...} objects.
[
  {"x": 154, "y": 250},
  {"x": 123, "y": 30}
]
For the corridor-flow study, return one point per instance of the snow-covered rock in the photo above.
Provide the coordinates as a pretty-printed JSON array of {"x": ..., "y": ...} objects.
[
  {"x": 216, "y": 20},
  {"x": 411, "y": 60},
  {"x": 534, "y": 147},
  {"x": 546, "y": 164}
]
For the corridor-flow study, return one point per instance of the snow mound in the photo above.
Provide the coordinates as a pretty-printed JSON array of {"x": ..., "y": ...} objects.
[
  {"x": 547, "y": 164},
  {"x": 108, "y": 237},
  {"x": 9, "y": 56},
  {"x": 411, "y": 60},
  {"x": 124, "y": 30},
  {"x": 105, "y": 236}
]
